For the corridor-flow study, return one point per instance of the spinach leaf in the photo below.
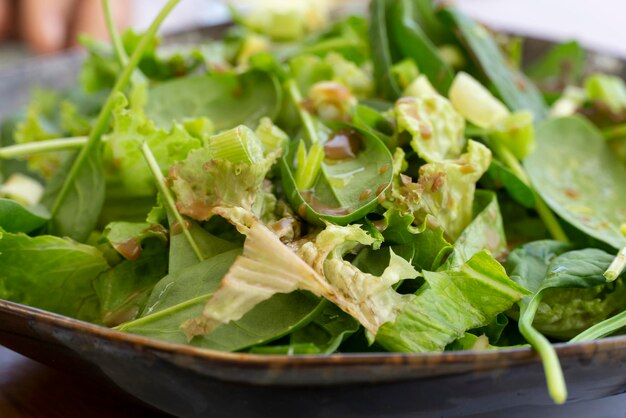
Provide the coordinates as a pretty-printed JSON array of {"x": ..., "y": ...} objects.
[
  {"x": 226, "y": 99},
  {"x": 450, "y": 303},
  {"x": 371, "y": 120},
  {"x": 127, "y": 237},
  {"x": 15, "y": 217},
  {"x": 182, "y": 295},
  {"x": 517, "y": 92},
  {"x": 346, "y": 189},
  {"x": 586, "y": 187},
  {"x": 561, "y": 281},
  {"x": 485, "y": 232},
  {"x": 123, "y": 290},
  {"x": 50, "y": 273},
  {"x": 386, "y": 85},
  {"x": 413, "y": 43}
]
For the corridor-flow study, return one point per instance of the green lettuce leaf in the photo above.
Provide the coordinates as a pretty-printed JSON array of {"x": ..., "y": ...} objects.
[
  {"x": 451, "y": 302},
  {"x": 127, "y": 237},
  {"x": 436, "y": 128}
]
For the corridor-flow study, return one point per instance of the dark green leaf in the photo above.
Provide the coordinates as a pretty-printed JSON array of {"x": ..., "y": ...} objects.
[
  {"x": 182, "y": 295},
  {"x": 50, "y": 273},
  {"x": 517, "y": 189},
  {"x": 227, "y": 99},
  {"x": 386, "y": 85},
  {"x": 517, "y": 92},
  {"x": 413, "y": 43},
  {"x": 77, "y": 216},
  {"x": 578, "y": 176},
  {"x": 561, "y": 66},
  {"x": 123, "y": 290}
]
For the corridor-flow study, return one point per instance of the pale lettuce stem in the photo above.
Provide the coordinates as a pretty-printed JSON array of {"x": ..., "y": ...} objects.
[
  {"x": 307, "y": 119},
  {"x": 551, "y": 365},
  {"x": 602, "y": 329},
  {"x": 617, "y": 266},
  {"x": 50, "y": 145},
  {"x": 102, "y": 122},
  {"x": 153, "y": 165},
  {"x": 547, "y": 216}
]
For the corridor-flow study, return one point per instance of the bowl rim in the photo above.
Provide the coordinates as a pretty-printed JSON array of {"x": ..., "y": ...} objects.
[{"x": 492, "y": 359}]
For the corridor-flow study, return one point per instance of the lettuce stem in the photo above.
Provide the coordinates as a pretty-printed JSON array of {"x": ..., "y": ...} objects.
[
  {"x": 102, "y": 122},
  {"x": 153, "y": 165},
  {"x": 550, "y": 221},
  {"x": 551, "y": 365}
]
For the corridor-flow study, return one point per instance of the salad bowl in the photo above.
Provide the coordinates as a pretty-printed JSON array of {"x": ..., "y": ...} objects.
[
  {"x": 189, "y": 382},
  {"x": 192, "y": 382}
]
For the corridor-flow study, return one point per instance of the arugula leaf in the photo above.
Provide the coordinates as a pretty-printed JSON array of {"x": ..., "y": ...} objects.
[
  {"x": 50, "y": 273},
  {"x": 227, "y": 99},
  {"x": 450, "y": 303}
]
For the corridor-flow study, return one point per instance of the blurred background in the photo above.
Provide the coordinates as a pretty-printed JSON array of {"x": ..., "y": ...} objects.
[{"x": 44, "y": 26}]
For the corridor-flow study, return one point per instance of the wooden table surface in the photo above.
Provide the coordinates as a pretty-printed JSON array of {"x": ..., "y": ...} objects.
[{"x": 31, "y": 390}]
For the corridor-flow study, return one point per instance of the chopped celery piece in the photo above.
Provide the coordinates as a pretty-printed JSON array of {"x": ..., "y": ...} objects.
[{"x": 237, "y": 145}]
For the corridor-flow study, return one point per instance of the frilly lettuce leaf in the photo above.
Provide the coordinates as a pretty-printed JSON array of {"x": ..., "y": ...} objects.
[
  {"x": 444, "y": 193},
  {"x": 436, "y": 128},
  {"x": 199, "y": 183},
  {"x": 131, "y": 128},
  {"x": 450, "y": 303},
  {"x": 268, "y": 267}
]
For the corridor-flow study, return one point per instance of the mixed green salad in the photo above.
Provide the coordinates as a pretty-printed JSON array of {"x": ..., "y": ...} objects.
[{"x": 392, "y": 183}]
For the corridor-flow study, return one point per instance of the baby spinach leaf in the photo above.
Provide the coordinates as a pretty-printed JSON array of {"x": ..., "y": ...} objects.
[
  {"x": 517, "y": 92},
  {"x": 485, "y": 232},
  {"x": 450, "y": 303},
  {"x": 15, "y": 217},
  {"x": 586, "y": 187},
  {"x": 226, "y": 99},
  {"x": 414, "y": 43},
  {"x": 182, "y": 295},
  {"x": 124, "y": 289},
  {"x": 346, "y": 189},
  {"x": 386, "y": 85},
  {"x": 559, "y": 280},
  {"x": 50, "y": 273},
  {"x": 127, "y": 237}
]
